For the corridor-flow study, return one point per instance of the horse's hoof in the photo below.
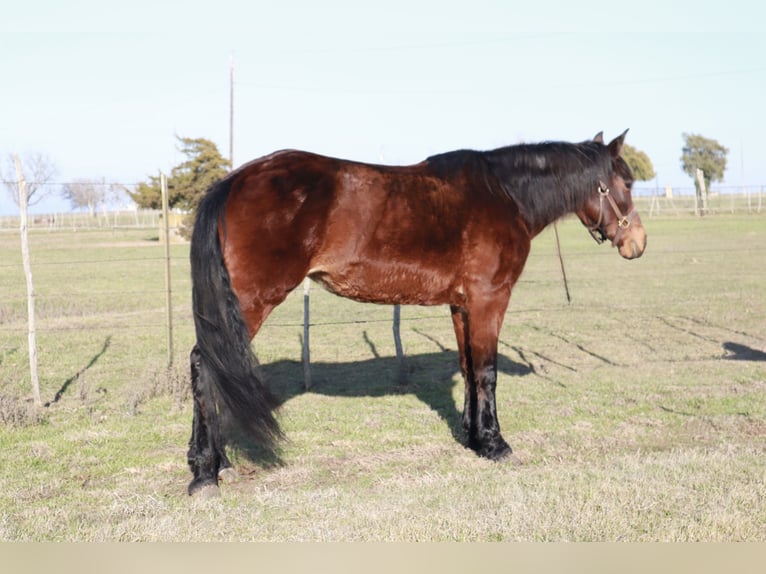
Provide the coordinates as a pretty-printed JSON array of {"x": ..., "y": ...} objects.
[
  {"x": 228, "y": 474},
  {"x": 497, "y": 450}
]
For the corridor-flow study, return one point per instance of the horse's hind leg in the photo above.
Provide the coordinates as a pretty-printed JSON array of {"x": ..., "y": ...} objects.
[{"x": 207, "y": 455}]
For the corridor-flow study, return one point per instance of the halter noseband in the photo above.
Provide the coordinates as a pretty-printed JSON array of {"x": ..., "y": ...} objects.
[{"x": 622, "y": 220}]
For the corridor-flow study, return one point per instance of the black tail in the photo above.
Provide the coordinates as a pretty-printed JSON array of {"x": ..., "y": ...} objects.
[{"x": 222, "y": 336}]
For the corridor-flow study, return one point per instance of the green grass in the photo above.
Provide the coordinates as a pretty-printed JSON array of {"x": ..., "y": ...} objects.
[{"x": 639, "y": 410}]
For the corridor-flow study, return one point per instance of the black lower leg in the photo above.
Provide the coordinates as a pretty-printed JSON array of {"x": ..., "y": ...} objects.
[
  {"x": 484, "y": 433},
  {"x": 206, "y": 456}
]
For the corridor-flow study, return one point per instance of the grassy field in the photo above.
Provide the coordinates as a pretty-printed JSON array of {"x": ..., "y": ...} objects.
[{"x": 638, "y": 410}]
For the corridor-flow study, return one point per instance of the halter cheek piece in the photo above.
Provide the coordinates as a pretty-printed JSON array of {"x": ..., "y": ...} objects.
[{"x": 622, "y": 220}]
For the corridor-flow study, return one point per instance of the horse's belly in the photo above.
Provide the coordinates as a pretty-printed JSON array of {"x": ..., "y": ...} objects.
[{"x": 391, "y": 284}]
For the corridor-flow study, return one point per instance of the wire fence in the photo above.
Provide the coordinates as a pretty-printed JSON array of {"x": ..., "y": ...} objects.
[
  {"x": 652, "y": 202},
  {"x": 72, "y": 220},
  {"x": 114, "y": 211},
  {"x": 122, "y": 300}
]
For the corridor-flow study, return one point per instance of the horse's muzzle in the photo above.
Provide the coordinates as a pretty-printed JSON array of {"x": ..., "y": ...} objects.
[{"x": 633, "y": 242}]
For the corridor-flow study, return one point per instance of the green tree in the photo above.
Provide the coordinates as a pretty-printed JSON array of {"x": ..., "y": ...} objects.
[
  {"x": 188, "y": 181},
  {"x": 148, "y": 194},
  {"x": 639, "y": 163},
  {"x": 705, "y": 154}
]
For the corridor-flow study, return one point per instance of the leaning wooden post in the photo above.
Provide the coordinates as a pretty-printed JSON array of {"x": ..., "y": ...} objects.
[
  {"x": 306, "y": 353},
  {"x": 24, "y": 232},
  {"x": 561, "y": 262},
  {"x": 701, "y": 189},
  {"x": 168, "y": 291}
]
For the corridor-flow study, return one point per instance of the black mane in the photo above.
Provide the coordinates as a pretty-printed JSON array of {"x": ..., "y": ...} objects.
[
  {"x": 546, "y": 180},
  {"x": 451, "y": 163}
]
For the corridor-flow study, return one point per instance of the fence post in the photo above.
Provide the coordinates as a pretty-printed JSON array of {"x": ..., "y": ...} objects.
[
  {"x": 24, "y": 232},
  {"x": 701, "y": 193},
  {"x": 306, "y": 352},
  {"x": 168, "y": 291},
  {"x": 398, "y": 343},
  {"x": 561, "y": 262}
]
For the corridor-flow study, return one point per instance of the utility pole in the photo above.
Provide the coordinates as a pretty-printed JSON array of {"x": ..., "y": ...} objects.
[{"x": 231, "y": 111}]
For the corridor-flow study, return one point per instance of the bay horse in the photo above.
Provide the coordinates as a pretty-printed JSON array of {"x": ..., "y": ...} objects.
[{"x": 452, "y": 230}]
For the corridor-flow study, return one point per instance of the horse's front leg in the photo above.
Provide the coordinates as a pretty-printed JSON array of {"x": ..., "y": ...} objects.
[
  {"x": 477, "y": 329},
  {"x": 460, "y": 324}
]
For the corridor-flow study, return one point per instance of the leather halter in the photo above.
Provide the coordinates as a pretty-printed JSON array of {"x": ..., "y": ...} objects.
[{"x": 622, "y": 220}]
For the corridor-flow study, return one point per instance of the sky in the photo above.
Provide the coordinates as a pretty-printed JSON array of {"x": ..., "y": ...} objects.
[{"x": 103, "y": 88}]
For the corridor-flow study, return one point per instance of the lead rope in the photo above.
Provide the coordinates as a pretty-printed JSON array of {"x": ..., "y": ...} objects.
[{"x": 561, "y": 261}]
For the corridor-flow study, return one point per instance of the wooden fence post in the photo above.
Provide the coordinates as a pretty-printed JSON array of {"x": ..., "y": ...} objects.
[
  {"x": 561, "y": 262},
  {"x": 306, "y": 352},
  {"x": 398, "y": 343},
  {"x": 168, "y": 291},
  {"x": 24, "y": 232},
  {"x": 701, "y": 195}
]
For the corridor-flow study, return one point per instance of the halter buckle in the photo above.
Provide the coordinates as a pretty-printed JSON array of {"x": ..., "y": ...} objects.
[{"x": 623, "y": 223}]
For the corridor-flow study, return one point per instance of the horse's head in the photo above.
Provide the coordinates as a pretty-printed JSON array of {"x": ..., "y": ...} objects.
[{"x": 609, "y": 212}]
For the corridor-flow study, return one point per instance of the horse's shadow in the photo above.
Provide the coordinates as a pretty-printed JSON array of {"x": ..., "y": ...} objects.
[
  {"x": 431, "y": 377},
  {"x": 737, "y": 352}
]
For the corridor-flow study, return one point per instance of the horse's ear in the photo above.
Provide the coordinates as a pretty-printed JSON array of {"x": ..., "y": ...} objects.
[
  {"x": 599, "y": 138},
  {"x": 615, "y": 146}
]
